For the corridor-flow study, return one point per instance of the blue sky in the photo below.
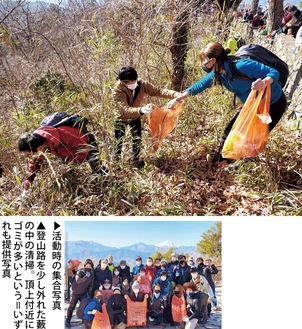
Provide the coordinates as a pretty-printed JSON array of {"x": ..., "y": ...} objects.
[{"x": 124, "y": 233}]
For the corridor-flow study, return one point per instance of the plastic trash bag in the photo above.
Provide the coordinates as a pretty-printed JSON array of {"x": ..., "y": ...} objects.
[
  {"x": 249, "y": 133},
  {"x": 162, "y": 121},
  {"x": 101, "y": 319},
  {"x": 136, "y": 313}
]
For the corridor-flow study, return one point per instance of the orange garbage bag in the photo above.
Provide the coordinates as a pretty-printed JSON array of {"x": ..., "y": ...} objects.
[
  {"x": 73, "y": 264},
  {"x": 136, "y": 313},
  {"x": 162, "y": 121},
  {"x": 101, "y": 319},
  {"x": 106, "y": 295},
  {"x": 178, "y": 306},
  {"x": 249, "y": 134}
]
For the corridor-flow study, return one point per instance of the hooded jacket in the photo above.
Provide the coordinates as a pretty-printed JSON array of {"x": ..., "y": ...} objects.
[
  {"x": 83, "y": 282},
  {"x": 127, "y": 108}
]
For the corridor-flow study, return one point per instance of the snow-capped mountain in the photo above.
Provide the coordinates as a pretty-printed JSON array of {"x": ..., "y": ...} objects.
[{"x": 88, "y": 249}]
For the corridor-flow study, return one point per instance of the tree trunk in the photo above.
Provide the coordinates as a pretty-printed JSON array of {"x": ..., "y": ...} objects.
[
  {"x": 255, "y": 4},
  {"x": 179, "y": 48},
  {"x": 275, "y": 10}
]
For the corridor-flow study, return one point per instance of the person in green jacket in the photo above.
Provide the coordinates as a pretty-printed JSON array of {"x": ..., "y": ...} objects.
[{"x": 128, "y": 97}]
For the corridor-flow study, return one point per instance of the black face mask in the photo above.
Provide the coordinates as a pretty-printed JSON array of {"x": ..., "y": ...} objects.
[
  {"x": 182, "y": 262},
  {"x": 206, "y": 69},
  {"x": 177, "y": 293}
]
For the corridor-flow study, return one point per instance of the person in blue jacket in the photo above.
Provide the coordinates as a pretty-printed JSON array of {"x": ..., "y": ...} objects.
[
  {"x": 91, "y": 308},
  {"x": 216, "y": 63}
]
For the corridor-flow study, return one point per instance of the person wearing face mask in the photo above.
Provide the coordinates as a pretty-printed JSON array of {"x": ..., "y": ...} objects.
[
  {"x": 164, "y": 283},
  {"x": 200, "y": 265},
  {"x": 91, "y": 308},
  {"x": 135, "y": 294},
  {"x": 116, "y": 278},
  {"x": 164, "y": 268},
  {"x": 124, "y": 270},
  {"x": 125, "y": 286},
  {"x": 173, "y": 263},
  {"x": 150, "y": 269},
  {"x": 253, "y": 76},
  {"x": 156, "y": 305},
  {"x": 116, "y": 308},
  {"x": 144, "y": 281},
  {"x": 191, "y": 262},
  {"x": 193, "y": 302},
  {"x": 81, "y": 287},
  {"x": 102, "y": 272},
  {"x": 178, "y": 306},
  {"x": 135, "y": 270},
  {"x": 206, "y": 294},
  {"x": 128, "y": 97},
  {"x": 157, "y": 264},
  {"x": 181, "y": 272}
]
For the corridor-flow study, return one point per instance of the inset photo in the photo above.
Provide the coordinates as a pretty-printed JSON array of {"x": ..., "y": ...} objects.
[{"x": 163, "y": 274}]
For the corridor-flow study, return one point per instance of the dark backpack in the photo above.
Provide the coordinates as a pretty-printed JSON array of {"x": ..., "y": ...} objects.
[
  {"x": 58, "y": 119},
  {"x": 264, "y": 56},
  {"x": 80, "y": 311}
]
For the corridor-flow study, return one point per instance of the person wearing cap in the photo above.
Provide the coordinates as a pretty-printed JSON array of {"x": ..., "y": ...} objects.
[
  {"x": 135, "y": 294},
  {"x": 206, "y": 291},
  {"x": 81, "y": 287},
  {"x": 295, "y": 22},
  {"x": 116, "y": 308},
  {"x": 90, "y": 310},
  {"x": 128, "y": 97},
  {"x": 124, "y": 270},
  {"x": 174, "y": 262},
  {"x": 191, "y": 262},
  {"x": 156, "y": 305},
  {"x": 164, "y": 268},
  {"x": 101, "y": 273},
  {"x": 135, "y": 270}
]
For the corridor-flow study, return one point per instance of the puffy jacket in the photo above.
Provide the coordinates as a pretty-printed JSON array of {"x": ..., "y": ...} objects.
[
  {"x": 128, "y": 109},
  {"x": 193, "y": 306},
  {"x": 83, "y": 282},
  {"x": 116, "y": 304}
]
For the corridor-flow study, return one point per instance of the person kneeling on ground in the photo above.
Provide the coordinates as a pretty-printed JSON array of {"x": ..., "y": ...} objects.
[
  {"x": 91, "y": 308},
  {"x": 116, "y": 308},
  {"x": 69, "y": 143}
]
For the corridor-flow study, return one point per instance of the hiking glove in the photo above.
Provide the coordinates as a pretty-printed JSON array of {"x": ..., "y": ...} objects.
[
  {"x": 172, "y": 103},
  {"x": 146, "y": 109}
]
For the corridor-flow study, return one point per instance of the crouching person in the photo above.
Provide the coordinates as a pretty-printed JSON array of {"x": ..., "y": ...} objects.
[
  {"x": 156, "y": 305},
  {"x": 71, "y": 144},
  {"x": 193, "y": 305},
  {"x": 116, "y": 308},
  {"x": 91, "y": 308}
]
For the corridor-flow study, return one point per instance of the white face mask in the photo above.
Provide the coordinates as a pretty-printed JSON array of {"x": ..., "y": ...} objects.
[
  {"x": 116, "y": 273},
  {"x": 194, "y": 275},
  {"x": 123, "y": 267},
  {"x": 149, "y": 263},
  {"x": 142, "y": 274},
  {"x": 173, "y": 259},
  {"x": 136, "y": 291},
  {"x": 138, "y": 263},
  {"x": 132, "y": 86},
  {"x": 163, "y": 278},
  {"x": 103, "y": 266}
]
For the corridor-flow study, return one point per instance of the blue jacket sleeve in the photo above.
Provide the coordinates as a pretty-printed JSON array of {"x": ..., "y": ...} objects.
[{"x": 200, "y": 85}]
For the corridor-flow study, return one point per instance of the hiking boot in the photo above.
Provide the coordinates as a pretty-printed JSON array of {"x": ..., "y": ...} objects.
[{"x": 67, "y": 323}]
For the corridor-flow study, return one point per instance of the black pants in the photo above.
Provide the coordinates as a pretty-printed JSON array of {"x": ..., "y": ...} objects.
[
  {"x": 276, "y": 111},
  {"x": 158, "y": 317},
  {"x": 116, "y": 318},
  {"x": 93, "y": 155},
  {"x": 88, "y": 324},
  {"x": 73, "y": 303},
  {"x": 136, "y": 133}
]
